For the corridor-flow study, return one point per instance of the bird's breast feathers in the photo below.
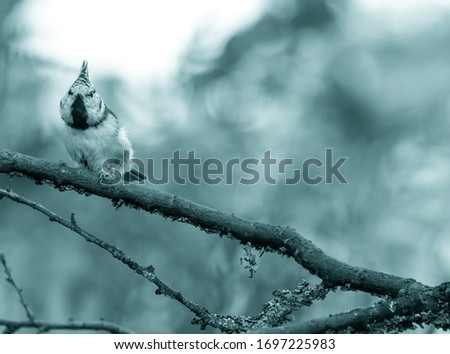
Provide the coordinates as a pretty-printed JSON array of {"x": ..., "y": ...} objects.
[{"x": 91, "y": 147}]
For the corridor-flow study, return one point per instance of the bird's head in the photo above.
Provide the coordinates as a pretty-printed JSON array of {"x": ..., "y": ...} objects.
[{"x": 82, "y": 107}]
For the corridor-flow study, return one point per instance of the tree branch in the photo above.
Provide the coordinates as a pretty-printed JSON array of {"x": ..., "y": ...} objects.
[
  {"x": 147, "y": 272},
  {"x": 284, "y": 240},
  {"x": 274, "y": 312},
  {"x": 417, "y": 305},
  {"x": 44, "y": 327},
  {"x": 10, "y": 280}
]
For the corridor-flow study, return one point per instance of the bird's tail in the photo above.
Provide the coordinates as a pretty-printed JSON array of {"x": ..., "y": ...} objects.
[{"x": 134, "y": 176}]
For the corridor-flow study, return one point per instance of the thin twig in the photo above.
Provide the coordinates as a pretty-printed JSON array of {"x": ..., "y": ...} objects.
[
  {"x": 147, "y": 272},
  {"x": 44, "y": 327},
  {"x": 274, "y": 312},
  {"x": 10, "y": 279}
]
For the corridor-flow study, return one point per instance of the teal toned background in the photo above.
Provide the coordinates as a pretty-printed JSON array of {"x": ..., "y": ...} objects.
[{"x": 369, "y": 79}]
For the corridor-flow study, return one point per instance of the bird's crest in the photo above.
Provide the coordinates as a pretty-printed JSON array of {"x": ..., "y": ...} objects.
[{"x": 83, "y": 77}]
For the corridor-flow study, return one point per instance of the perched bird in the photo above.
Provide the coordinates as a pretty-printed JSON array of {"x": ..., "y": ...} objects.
[{"x": 93, "y": 134}]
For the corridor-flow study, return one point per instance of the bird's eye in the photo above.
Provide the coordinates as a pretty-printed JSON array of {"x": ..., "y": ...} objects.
[
  {"x": 70, "y": 93},
  {"x": 91, "y": 94}
]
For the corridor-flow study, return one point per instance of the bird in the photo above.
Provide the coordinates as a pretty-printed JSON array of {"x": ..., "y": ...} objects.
[{"x": 93, "y": 136}]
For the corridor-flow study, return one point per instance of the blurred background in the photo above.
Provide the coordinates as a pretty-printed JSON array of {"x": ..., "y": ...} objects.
[{"x": 368, "y": 79}]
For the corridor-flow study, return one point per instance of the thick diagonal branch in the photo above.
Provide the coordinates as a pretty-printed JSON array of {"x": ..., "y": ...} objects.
[{"x": 284, "y": 240}]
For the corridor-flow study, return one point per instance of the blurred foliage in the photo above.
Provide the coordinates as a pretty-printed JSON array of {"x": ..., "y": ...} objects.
[{"x": 304, "y": 77}]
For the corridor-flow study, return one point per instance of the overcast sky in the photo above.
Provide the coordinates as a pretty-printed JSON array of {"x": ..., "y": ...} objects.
[
  {"x": 138, "y": 38},
  {"x": 144, "y": 39}
]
